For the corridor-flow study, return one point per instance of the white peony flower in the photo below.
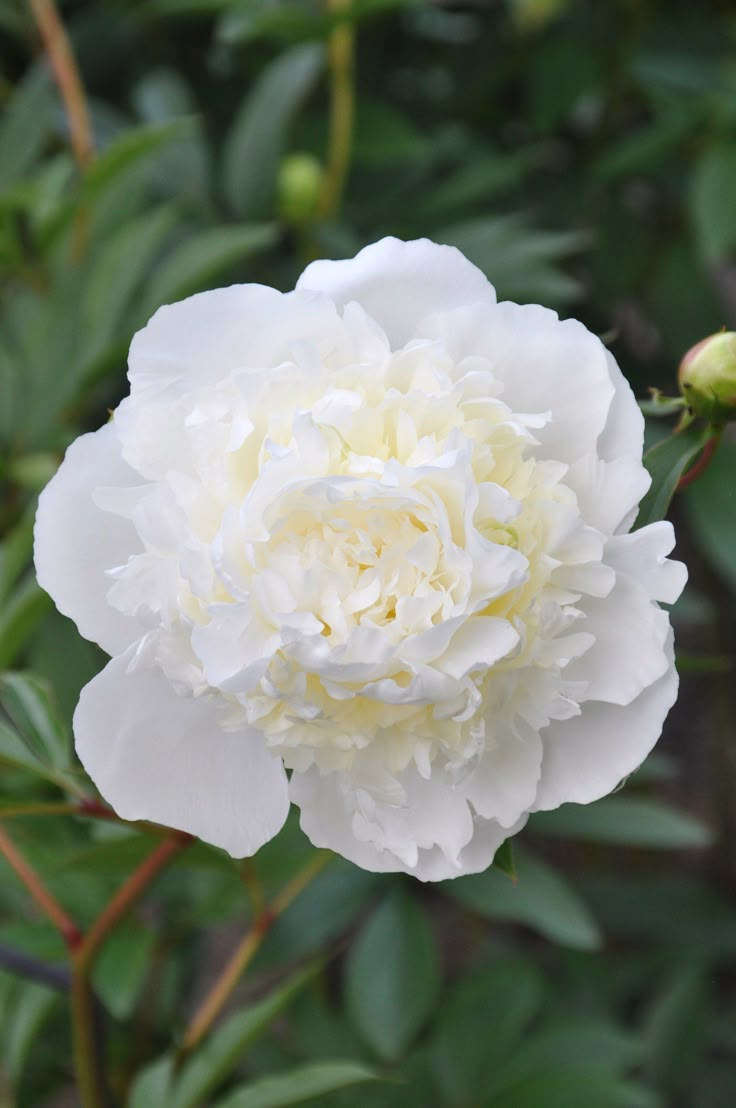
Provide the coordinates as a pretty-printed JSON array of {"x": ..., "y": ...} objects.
[{"x": 374, "y": 532}]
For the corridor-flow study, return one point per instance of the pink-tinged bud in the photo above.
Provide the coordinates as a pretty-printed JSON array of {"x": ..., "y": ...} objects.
[{"x": 708, "y": 377}]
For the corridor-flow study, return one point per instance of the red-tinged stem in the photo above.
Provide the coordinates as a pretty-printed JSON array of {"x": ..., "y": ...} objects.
[
  {"x": 128, "y": 895},
  {"x": 89, "y": 1077},
  {"x": 43, "y": 897},
  {"x": 701, "y": 465}
]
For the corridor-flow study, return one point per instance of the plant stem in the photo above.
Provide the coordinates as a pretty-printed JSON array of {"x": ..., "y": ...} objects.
[
  {"x": 243, "y": 954},
  {"x": 43, "y": 897},
  {"x": 23, "y": 965},
  {"x": 86, "y": 1061},
  {"x": 63, "y": 63},
  {"x": 341, "y": 53},
  {"x": 700, "y": 466},
  {"x": 86, "y": 806},
  {"x": 87, "y": 1066},
  {"x": 127, "y": 895}
]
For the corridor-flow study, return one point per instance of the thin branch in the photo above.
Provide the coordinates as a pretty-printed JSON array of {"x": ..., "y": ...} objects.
[
  {"x": 66, "y": 72},
  {"x": 46, "y": 901},
  {"x": 341, "y": 53},
  {"x": 86, "y": 806},
  {"x": 32, "y": 969},
  {"x": 86, "y": 1053},
  {"x": 127, "y": 896},
  {"x": 244, "y": 953}
]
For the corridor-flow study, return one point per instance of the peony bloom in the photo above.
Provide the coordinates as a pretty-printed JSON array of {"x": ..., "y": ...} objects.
[{"x": 374, "y": 532}]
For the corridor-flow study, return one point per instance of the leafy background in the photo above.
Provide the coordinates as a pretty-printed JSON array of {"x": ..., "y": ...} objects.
[{"x": 584, "y": 155}]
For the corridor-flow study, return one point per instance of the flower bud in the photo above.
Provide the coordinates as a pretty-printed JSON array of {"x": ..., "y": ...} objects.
[
  {"x": 708, "y": 377},
  {"x": 298, "y": 188}
]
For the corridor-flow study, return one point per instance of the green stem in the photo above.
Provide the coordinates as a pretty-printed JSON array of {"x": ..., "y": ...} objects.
[
  {"x": 86, "y": 1061},
  {"x": 244, "y": 953},
  {"x": 341, "y": 52}
]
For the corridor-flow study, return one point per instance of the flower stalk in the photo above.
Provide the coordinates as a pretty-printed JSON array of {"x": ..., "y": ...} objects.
[
  {"x": 89, "y": 1078},
  {"x": 68, "y": 79},
  {"x": 46, "y": 901},
  {"x": 341, "y": 54},
  {"x": 84, "y": 948},
  {"x": 244, "y": 953}
]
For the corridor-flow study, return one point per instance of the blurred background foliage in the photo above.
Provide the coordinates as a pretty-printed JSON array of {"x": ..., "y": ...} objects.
[{"x": 583, "y": 154}]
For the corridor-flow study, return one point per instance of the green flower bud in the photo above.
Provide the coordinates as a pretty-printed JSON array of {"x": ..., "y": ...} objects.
[
  {"x": 708, "y": 377},
  {"x": 298, "y": 188}
]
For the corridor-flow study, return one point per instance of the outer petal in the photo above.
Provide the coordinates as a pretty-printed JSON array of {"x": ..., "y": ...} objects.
[
  {"x": 155, "y": 755},
  {"x": 328, "y": 808},
  {"x": 631, "y": 649},
  {"x": 399, "y": 283},
  {"x": 642, "y": 556},
  {"x": 624, "y": 432},
  {"x": 387, "y": 833},
  {"x": 201, "y": 340},
  {"x": 608, "y": 492},
  {"x": 588, "y": 756},
  {"x": 75, "y": 541},
  {"x": 545, "y": 365},
  {"x": 504, "y": 784}
]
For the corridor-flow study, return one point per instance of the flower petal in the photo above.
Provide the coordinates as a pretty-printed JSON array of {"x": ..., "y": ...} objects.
[
  {"x": 642, "y": 556},
  {"x": 630, "y": 650},
  {"x": 588, "y": 756},
  {"x": 399, "y": 283},
  {"x": 546, "y": 365},
  {"x": 388, "y": 834},
  {"x": 158, "y": 756},
  {"x": 624, "y": 431},
  {"x": 203, "y": 339},
  {"x": 608, "y": 493},
  {"x": 75, "y": 542},
  {"x": 504, "y": 784}
]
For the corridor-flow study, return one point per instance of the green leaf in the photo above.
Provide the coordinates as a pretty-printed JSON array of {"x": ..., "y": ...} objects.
[
  {"x": 503, "y": 859},
  {"x": 666, "y": 462},
  {"x": 152, "y": 1085},
  {"x": 328, "y": 905},
  {"x": 541, "y": 898},
  {"x": 578, "y": 1087},
  {"x": 31, "y": 1009},
  {"x": 625, "y": 821},
  {"x": 298, "y": 1085},
  {"x": 118, "y": 270},
  {"x": 28, "y": 702},
  {"x": 567, "y": 1046},
  {"x": 224, "y": 1049},
  {"x": 24, "y": 125},
  {"x": 392, "y": 975},
  {"x": 660, "y": 406},
  {"x": 256, "y": 140},
  {"x": 523, "y": 262},
  {"x": 674, "y": 1035},
  {"x": 193, "y": 264},
  {"x": 710, "y": 504},
  {"x": 134, "y": 145},
  {"x": 20, "y": 615},
  {"x": 501, "y": 998},
  {"x": 122, "y": 966},
  {"x": 712, "y": 201},
  {"x": 16, "y": 550}
]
